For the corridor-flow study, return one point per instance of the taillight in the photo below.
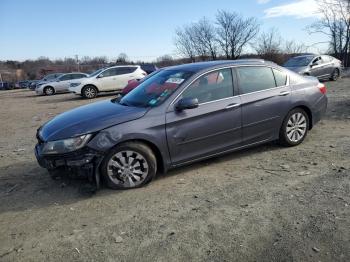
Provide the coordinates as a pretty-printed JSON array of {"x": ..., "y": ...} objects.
[{"x": 322, "y": 88}]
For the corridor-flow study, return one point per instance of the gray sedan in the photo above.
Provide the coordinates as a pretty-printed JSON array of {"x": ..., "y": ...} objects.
[
  {"x": 183, "y": 114},
  {"x": 58, "y": 85},
  {"x": 323, "y": 67}
]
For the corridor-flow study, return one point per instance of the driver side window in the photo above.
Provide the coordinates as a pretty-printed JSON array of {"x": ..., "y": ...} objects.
[
  {"x": 317, "y": 61},
  {"x": 210, "y": 87}
]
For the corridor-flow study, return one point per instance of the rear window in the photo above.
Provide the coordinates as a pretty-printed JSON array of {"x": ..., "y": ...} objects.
[
  {"x": 253, "y": 79},
  {"x": 126, "y": 70}
]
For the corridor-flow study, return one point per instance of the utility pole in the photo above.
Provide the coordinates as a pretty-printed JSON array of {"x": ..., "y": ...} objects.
[{"x": 77, "y": 60}]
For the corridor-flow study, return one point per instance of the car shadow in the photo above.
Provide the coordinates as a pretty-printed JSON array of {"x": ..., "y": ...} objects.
[{"x": 27, "y": 186}]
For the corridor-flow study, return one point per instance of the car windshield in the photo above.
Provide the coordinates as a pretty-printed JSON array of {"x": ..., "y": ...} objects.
[
  {"x": 156, "y": 89},
  {"x": 298, "y": 61},
  {"x": 95, "y": 73}
]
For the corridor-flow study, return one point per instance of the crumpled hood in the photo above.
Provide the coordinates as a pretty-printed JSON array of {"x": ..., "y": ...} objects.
[
  {"x": 89, "y": 119},
  {"x": 297, "y": 69}
]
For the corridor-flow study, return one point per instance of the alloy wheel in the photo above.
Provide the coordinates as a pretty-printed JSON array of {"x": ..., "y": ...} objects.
[
  {"x": 127, "y": 169},
  {"x": 49, "y": 91},
  {"x": 90, "y": 92},
  {"x": 296, "y": 127}
]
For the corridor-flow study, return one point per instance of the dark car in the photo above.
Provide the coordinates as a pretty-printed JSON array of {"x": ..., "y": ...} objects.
[
  {"x": 32, "y": 84},
  {"x": 181, "y": 115},
  {"x": 132, "y": 84},
  {"x": 149, "y": 68},
  {"x": 323, "y": 67}
]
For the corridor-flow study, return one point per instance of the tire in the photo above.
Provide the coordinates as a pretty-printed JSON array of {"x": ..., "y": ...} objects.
[
  {"x": 89, "y": 92},
  {"x": 49, "y": 91},
  {"x": 294, "y": 128},
  {"x": 129, "y": 165},
  {"x": 335, "y": 75}
]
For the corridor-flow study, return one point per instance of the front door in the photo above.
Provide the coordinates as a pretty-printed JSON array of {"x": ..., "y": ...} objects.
[{"x": 213, "y": 127}]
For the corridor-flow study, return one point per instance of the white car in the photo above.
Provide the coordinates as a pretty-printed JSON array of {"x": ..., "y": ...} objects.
[
  {"x": 58, "y": 85},
  {"x": 108, "y": 79}
]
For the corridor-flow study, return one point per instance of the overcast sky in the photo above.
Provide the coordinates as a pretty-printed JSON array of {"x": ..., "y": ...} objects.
[{"x": 142, "y": 29}]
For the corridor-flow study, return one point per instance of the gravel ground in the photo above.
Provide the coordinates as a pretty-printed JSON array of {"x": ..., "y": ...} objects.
[{"x": 266, "y": 203}]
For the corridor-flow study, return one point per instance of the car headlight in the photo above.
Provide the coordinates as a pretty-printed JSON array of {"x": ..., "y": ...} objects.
[
  {"x": 74, "y": 84},
  {"x": 65, "y": 145}
]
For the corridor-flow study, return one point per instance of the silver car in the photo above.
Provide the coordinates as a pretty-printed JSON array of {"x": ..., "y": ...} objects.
[
  {"x": 323, "y": 67},
  {"x": 58, "y": 85}
]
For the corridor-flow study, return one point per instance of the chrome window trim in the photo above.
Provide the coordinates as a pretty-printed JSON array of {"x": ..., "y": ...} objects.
[{"x": 239, "y": 95}]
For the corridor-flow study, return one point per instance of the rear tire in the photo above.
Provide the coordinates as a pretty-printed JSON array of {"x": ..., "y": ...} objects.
[
  {"x": 49, "y": 91},
  {"x": 89, "y": 92},
  {"x": 129, "y": 165},
  {"x": 335, "y": 75},
  {"x": 294, "y": 128}
]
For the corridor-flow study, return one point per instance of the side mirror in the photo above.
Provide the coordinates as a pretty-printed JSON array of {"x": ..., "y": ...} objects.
[
  {"x": 187, "y": 103},
  {"x": 100, "y": 76}
]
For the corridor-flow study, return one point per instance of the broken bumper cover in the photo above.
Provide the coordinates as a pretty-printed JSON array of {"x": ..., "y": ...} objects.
[{"x": 84, "y": 162}]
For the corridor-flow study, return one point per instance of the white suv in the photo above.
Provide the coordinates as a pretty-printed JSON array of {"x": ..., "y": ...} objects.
[{"x": 108, "y": 79}]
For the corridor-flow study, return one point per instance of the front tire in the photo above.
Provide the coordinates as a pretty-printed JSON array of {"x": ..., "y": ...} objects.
[
  {"x": 89, "y": 92},
  {"x": 49, "y": 91},
  {"x": 129, "y": 165},
  {"x": 294, "y": 128}
]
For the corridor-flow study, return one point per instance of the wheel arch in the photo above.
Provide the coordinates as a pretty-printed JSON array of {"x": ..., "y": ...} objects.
[
  {"x": 90, "y": 85},
  {"x": 307, "y": 111},
  {"x": 49, "y": 86},
  {"x": 161, "y": 167}
]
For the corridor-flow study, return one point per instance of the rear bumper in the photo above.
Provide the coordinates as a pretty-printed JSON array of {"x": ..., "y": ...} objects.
[
  {"x": 82, "y": 163},
  {"x": 319, "y": 110}
]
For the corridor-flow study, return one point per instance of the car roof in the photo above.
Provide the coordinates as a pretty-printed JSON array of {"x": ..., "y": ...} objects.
[{"x": 196, "y": 67}]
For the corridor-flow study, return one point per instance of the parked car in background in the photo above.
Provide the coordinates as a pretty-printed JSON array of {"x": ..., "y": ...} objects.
[
  {"x": 23, "y": 84},
  {"x": 5, "y": 86},
  {"x": 321, "y": 66},
  {"x": 105, "y": 80},
  {"x": 47, "y": 78},
  {"x": 60, "y": 84},
  {"x": 149, "y": 68},
  {"x": 32, "y": 84},
  {"x": 132, "y": 84},
  {"x": 183, "y": 114}
]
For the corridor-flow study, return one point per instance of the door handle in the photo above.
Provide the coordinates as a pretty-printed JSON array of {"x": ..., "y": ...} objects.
[
  {"x": 284, "y": 93},
  {"x": 232, "y": 106}
]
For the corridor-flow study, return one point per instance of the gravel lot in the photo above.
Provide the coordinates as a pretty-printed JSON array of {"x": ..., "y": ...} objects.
[{"x": 267, "y": 203}]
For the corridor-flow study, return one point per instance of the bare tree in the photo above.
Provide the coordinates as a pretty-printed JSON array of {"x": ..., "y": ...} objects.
[
  {"x": 122, "y": 58},
  {"x": 335, "y": 23},
  {"x": 184, "y": 42},
  {"x": 291, "y": 47},
  {"x": 235, "y": 32},
  {"x": 269, "y": 43},
  {"x": 205, "y": 37}
]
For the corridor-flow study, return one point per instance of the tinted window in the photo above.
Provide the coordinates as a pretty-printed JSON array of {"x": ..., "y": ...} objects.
[
  {"x": 109, "y": 72},
  {"x": 65, "y": 77},
  {"x": 125, "y": 70},
  {"x": 212, "y": 86},
  {"x": 252, "y": 79},
  {"x": 299, "y": 61},
  {"x": 280, "y": 77},
  {"x": 77, "y": 76}
]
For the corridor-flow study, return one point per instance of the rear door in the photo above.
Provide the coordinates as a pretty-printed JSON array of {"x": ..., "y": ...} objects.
[
  {"x": 213, "y": 127},
  {"x": 125, "y": 75},
  {"x": 265, "y": 96},
  {"x": 63, "y": 83}
]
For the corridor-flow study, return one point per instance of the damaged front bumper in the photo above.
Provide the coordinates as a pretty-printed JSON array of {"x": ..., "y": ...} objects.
[{"x": 84, "y": 162}]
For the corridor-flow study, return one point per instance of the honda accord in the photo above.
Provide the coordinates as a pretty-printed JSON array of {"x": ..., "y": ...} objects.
[{"x": 181, "y": 115}]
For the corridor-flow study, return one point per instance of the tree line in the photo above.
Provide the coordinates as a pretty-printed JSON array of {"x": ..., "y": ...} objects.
[{"x": 230, "y": 35}]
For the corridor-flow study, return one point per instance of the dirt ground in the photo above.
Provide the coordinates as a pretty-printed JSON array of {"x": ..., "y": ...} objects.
[{"x": 267, "y": 203}]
